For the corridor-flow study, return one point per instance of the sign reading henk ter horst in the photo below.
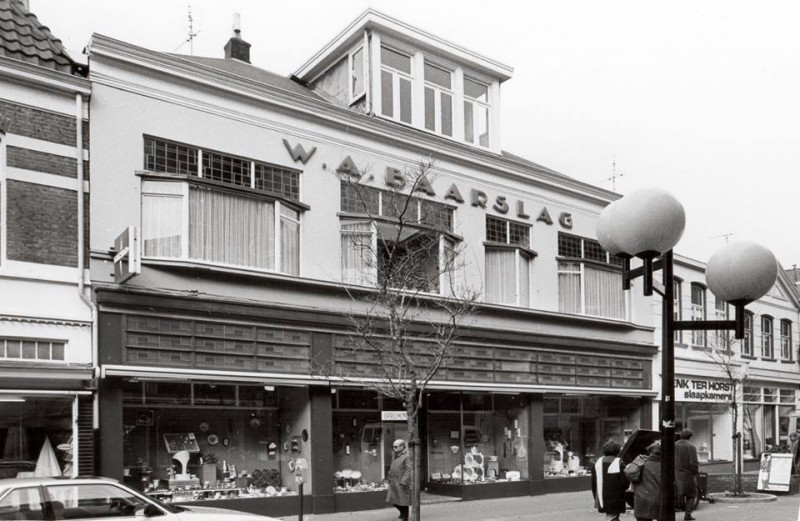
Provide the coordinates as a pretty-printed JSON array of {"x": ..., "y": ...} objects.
[{"x": 694, "y": 389}]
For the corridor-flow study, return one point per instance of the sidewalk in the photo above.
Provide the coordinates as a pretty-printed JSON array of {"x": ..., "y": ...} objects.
[{"x": 572, "y": 506}]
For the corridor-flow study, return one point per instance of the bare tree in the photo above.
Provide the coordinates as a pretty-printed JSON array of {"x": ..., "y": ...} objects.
[
  {"x": 734, "y": 372},
  {"x": 405, "y": 323}
]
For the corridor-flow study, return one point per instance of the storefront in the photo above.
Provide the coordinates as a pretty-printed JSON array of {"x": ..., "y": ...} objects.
[
  {"x": 769, "y": 416},
  {"x": 703, "y": 405}
]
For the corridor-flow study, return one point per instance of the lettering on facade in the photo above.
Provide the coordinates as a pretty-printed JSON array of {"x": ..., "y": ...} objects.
[
  {"x": 701, "y": 390},
  {"x": 298, "y": 153},
  {"x": 347, "y": 167}
]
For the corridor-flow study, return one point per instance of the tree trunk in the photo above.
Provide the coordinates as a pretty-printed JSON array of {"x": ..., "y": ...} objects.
[{"x": 414, "y": 449}]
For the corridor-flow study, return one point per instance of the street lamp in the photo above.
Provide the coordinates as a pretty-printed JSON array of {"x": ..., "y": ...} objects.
[{"x": 647, "y": 224}]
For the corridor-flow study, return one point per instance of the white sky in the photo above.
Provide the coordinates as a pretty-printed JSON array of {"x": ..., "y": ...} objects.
[{"x": 699, "y": 97}]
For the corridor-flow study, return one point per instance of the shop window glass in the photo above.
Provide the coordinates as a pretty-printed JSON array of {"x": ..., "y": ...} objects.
[
  {"x": 576, "y": 427},
  {"x": 213, "y": 394},
  {"x": 257, "y": 396},
  {"x": 710, "y": 424},
  {"x": 31, "y": 426},
  {"x": 168, "y": 393},
  {"x": 356, "y": 399},
  {"x": 444, "y": 401}
]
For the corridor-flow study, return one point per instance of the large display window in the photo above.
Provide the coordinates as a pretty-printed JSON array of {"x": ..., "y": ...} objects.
[
  {"x": 476, "y": 438},
  {"x": 769, "y": 417},
  {"x": 195, "y": 441},
  {"x": 712, "y": 429},
  {"x": 576, "y": 427},
  {"x": 362, "y": 440}
]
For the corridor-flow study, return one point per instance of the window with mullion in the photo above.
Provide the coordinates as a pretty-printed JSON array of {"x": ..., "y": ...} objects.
[
  {"x": 438, "y": 100},
  {"x": 721, "y": 337},
  {"x": 676, "y": 307},
  {"x": 507, "y": 268},
  {"x": 588, "y": 279},
  {"x": 767, "y": 348},
  {"x": 396, "y": 85},
  {"x": 786, "y": 339},
  {"x": 748, "y": 340},
  {"x": 357, "y": 74},
  {"x": 476, "y": 112},
  {"x": 698, "y": 313}
]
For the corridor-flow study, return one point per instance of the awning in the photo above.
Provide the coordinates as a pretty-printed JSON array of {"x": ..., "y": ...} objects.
[{"x": 208, "y": 375}]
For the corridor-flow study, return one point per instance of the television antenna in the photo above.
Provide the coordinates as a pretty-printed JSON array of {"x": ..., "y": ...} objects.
[
  {"x": 614, "y": 174},
  {"x": 192, "y": 35},
  {"x": 725, "y": 236}
]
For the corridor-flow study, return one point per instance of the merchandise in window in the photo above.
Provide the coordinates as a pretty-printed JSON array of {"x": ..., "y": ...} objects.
[
  {"x": 576, "y": 427},
  {"x": 477, "y": 438},
  {"x": 396, "y": 80},
  {"x": 195, "y": 441}
]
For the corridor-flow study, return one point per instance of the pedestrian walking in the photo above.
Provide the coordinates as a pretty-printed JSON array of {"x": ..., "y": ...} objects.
[
  {"x": 686, "y": 470},
  {"x": 645, "y": 474},
  {"x": 794, "y": 440},
  {"x": 399, "y": 479},
  {"x": 609, "y": 482}
]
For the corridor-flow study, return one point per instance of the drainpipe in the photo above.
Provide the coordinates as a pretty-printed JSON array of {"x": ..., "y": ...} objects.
[{"x": 81, "y": 257}]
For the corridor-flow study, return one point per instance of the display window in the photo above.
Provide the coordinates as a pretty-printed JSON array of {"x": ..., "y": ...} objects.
[
  {"x": 576, "y": 427},
  {"x": 476, "y": 438},
  {"x": 36, "y": 436},
  {"x": 195, "y": 441},
  {"x": 362, "y": 439},
  {"x": 769, "y": 416},
  {"x": 712, "y": 429}
]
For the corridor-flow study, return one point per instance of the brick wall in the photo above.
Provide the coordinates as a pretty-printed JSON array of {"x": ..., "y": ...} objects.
[
  {"x": 723, "y": 482},
  {"x": 42, "y": 224},
  {"x": 33, "y": 122},
  {"x": 41, "y": 162}
]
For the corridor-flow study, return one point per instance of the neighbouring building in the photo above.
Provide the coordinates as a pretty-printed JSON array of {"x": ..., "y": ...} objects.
[
  {"x": 712, "y": 367},
  {"x": 216, "y": 201},
  {"x": 46, "y": 349}
]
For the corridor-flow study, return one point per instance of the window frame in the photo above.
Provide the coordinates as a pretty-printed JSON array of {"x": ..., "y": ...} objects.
[
  {"x": 698, "y": 313},
  {"x": 721, "y": 336},
  {"x": 438, "y": 92},
  {"x": 677, "y": 307},
  {"x": 522, "y": 253},
  {"x": 351, "y": 73},
  {"x": 397, "y": 76},
  {"x": 748, "y": 342},
  {"x": 767, "y": 337},
  {"x": 786, "y": 340},
  {"x": 477, "y": 103}
]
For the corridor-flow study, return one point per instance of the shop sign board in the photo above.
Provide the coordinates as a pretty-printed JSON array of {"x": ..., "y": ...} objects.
[
  {"x": 394, "y": 416},
  {"x": 697, "y": 389},
  {"x": 774, "y": 472}
]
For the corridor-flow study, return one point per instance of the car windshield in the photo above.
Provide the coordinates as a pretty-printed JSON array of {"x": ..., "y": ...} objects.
[{"x": 98, "y": 499}]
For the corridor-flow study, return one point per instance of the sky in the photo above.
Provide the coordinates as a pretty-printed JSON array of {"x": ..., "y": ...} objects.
[{"x": 701, "y": 98}]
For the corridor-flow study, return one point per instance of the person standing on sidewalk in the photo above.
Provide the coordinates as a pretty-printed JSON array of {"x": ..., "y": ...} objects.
[
  {"x": 686, "y": 470},
  {"x": 609, "y": 483},
  {"x": 400, "y": 479},
  {"x": 645, "y": 474}
]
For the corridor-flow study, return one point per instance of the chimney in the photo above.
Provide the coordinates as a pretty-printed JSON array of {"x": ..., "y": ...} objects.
[{"x": 236, "y": 48}]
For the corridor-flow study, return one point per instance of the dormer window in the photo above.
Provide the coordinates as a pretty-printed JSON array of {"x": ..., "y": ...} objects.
[
  {"x": 357, "y": 68},
  {"x": 438, "y": 100},
  {"x": 476, "y": 112},
  {"x": 396, "y": 81}
]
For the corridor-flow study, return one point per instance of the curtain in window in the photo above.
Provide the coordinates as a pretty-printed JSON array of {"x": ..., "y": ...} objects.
[
  {"x": 161, "y": 225},
  {"x": 604, "y": 295},
  {"x": 290, "y": 246},
  {"x": 569, "y": 287},
  {"x": 228, "y": 229},
  {"x": 358, "y": 262},
  {"x": 501, "y": 276},
  {"x": 524, "y": 281}
]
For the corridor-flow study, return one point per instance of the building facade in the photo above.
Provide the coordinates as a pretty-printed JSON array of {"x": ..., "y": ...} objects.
[
  {"x": 226, "y": 182},
  {"x": 712, "y": 369},
  {"x": 46, "y": 334}
]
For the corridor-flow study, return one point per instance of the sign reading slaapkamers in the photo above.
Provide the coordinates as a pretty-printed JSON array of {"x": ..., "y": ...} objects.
[{"x": 694, "y": 389}]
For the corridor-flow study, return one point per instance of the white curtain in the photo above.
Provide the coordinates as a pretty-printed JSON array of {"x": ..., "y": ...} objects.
[
  {"x": 524, "y": 281},
  {"x": 290, "y": 246},
  {"x": 161, "y": 224},
  {"x": 569, "y": 287},
  {"x": 604, "y": 294},
  {"x": 358, "y": 253},
  {"x": 501, "y": 276},
  {"x": 229, "y": 229}
]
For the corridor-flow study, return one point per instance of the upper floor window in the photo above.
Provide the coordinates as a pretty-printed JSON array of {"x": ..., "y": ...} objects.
[
  {"x": 508, "y": 262},
  {"x": 786, "y": 339},
  {"x": 396, "y": 81},
  {"x": 476, "y": 112},
  {"x": 721, "y": 337},
  {"x": 698, "y": 313},
  {"x": 227, "y": 210},
  {"x": 438, "y": 100},
  {"x": 31, "y": 349},
  {"x": 748, "y": 340},
  {"x": 767, "y": 348},
  {"x": 357, "y": 74},
  {"x": 402, "y": 242},
  {"x": 589, "y": 278},
  {"x": 677, "y": 295}
]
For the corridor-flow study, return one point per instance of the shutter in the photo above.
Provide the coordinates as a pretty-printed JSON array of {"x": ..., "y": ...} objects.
[{"x": 86, "y": 447}]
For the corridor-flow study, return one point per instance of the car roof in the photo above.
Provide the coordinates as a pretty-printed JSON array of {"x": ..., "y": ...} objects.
[{"x": 46, "y": 481}]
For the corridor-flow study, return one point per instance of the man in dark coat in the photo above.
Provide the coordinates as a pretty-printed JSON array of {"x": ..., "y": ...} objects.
[
  {"x": 609, "y": 483},
  {"x": 400, "y": 479},
  {"x": 645, "y": 474},
  {"x": 686, "y": 470}
]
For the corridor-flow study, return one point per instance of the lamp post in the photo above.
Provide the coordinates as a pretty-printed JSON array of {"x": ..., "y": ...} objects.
[{"x": 647, "y": 224}]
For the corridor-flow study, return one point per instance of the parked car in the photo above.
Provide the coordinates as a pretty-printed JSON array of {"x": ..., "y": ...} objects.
[{"x": 51, "y": 499}]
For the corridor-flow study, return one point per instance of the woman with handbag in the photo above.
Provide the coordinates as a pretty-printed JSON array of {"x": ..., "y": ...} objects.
[{"x": 609, "y": 483}]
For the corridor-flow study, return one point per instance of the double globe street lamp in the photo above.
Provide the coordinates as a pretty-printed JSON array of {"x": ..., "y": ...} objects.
[{"x": 647, "y": 224}]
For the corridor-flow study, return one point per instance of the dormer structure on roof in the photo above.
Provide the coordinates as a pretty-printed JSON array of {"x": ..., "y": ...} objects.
[{"x": 387, "y": 68}]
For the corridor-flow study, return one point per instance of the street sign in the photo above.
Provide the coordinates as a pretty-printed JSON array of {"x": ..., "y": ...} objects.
[{"x": 128, "y": 255}]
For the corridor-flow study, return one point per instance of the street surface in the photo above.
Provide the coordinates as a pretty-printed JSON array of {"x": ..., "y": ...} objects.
[{"x": 573, "y": 506}]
